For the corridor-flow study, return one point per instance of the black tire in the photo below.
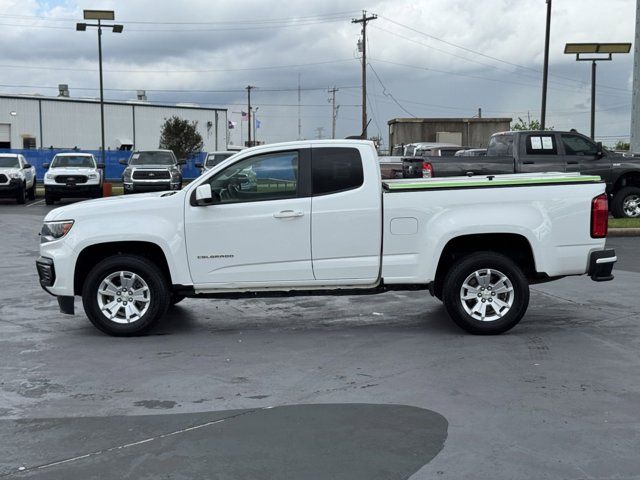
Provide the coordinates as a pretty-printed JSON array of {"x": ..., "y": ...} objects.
[
  {"x": 617, "y": 205},
  {"x": 48, "y": 199},
  {"x": 462, "y": 270},
  {"x": 98, "y": 193},
  {"x": 159, "y": 294},
  {"x": 32, "y": 191},
  {"x": 175, "y": 299},
  {"x": 21, "y": 195}
]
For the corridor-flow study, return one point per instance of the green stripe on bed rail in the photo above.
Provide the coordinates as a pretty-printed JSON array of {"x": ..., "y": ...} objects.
[{"x": 429, "y": 185}]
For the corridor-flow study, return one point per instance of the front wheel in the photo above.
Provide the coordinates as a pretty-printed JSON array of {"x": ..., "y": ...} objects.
[
  {"x": 486, "y": 293},
  {"x": 21, "y": 195},
  {"x": 125, "y": 295},
  {"x": 32, "y": 191},
  {"x": 626, "y": 203}
]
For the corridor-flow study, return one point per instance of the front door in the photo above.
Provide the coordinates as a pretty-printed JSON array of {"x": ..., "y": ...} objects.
[
  {"x": 581, "y": 155},
  {"x": 257, "y": 231}
]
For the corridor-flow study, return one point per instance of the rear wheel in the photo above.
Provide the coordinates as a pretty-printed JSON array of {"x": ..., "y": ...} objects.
[
  {"x": 48, "y": 199},
  {"x": 626, "y": 203},
  {"x": 125, "y": 295},
  {"x": 486, "y": 293}
]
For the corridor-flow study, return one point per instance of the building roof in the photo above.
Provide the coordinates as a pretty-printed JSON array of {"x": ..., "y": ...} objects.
[
  {"x": 137, "y": 103},
  {"x": 450, "y": 120}
]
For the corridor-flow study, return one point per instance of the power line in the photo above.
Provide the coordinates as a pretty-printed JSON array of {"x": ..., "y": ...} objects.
[
  {"x": 387, "y": 93},
  {"x": 475, "y": 52}
]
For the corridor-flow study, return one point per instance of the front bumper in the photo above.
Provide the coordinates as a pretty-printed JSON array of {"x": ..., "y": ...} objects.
[
  {"x": 601, "y": 265},
  {"x": 154, "y": 186},
  {"x": 82, "y": 190},
  {"x": 10, "y": 189},
  {"x": 47, "y": 275}
]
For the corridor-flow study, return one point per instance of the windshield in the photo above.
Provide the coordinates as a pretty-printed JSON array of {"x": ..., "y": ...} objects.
[
  {"x": 9, "y": 162},
  {"x": 152, "y": 158},
  {"x": 81, "y": 161},
  {"x": 214, "y": 159}
]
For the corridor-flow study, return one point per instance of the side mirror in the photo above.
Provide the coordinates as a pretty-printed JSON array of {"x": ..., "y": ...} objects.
[
  {"x": 101, "y": 166},
  {"x": 204, "y": 195},
  {"x": 199, "y": 165},
  {"x": 26, "y": 165},
  {"x": 600, "y": 153},
  {"x": 45, "y": 166},
  {"x": 123, "y": 161}
]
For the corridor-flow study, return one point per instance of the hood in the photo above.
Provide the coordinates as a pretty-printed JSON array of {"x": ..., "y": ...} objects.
[
  {"x": 72, "y": 170},
  {"x": 112, "y": 205},
  {"x": 8, "y": 170},
  {"x": 152, "y": 167}
]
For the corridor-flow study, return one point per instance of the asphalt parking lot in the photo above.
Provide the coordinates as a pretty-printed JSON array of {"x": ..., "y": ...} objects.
[{"x": 366, "y": 387}]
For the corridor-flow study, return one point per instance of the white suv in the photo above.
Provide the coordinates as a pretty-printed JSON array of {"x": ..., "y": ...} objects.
[
  {"x": 17, "y": 177},
  {"x": 72, "y": 174}
]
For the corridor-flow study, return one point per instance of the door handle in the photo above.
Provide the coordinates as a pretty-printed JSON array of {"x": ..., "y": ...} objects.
[
  {"x": 528, "y": 162},
  {"x": 287, "y": 214},
  {"x": 572, "y": 163}
]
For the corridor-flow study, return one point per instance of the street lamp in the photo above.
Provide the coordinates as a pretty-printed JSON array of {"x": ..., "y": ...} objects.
[
  {"x": 606, "y": 49},
  {"x": 100, "y": 15}
]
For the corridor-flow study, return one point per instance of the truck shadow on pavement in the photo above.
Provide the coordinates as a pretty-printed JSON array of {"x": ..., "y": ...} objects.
[{"x": 338, "y": 441}]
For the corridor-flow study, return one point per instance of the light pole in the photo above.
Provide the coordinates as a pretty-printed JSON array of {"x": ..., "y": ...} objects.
[
  {"x": 545, "y": 72},
  {"x": 100, "y": 15},
  {"x": 606, "y": 49}
]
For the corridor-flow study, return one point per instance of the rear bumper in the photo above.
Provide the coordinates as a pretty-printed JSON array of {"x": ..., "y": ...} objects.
[
  {"x": 601, "y": 265},
  {"x": 72, "y": 191}
]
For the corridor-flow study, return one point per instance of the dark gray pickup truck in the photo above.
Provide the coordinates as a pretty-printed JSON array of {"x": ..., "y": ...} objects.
[{"x": 543, "y": 151}]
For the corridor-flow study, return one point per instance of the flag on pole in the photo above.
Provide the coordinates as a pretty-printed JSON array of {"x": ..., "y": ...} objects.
[
  {"x": 232, "y": 125},
  {"x": 244, "y": 115},
  {"x": 257, "y": 123}
]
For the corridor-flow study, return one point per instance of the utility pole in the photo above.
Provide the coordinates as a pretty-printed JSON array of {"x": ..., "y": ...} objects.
[
  {"x": 364, "y": 20},
  {"x": 299, "y": 120},
  {"x": 635, "y": 101},
  {"x": 249, "y": 88},
  {"x": 334, "y": 110},
  {"x": 545, "y": 73}
]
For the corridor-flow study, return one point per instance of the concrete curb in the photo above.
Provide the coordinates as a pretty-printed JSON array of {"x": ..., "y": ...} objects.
[{"x": 624, "y": 232}]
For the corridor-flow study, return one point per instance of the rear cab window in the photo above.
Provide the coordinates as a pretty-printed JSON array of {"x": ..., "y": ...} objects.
[
  {"x": 335, "y": 169},
  {"x": 500, "y": 145}
]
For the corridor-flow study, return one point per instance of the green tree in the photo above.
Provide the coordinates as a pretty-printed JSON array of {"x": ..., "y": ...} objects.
[
  {"x": 622, "y": 145},
  {"x": 181, "y": 136},
  {"x": 530, "y": 125}
]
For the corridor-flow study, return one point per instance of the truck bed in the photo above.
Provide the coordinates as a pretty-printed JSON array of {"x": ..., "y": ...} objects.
[{"x": 489, "y": 181}]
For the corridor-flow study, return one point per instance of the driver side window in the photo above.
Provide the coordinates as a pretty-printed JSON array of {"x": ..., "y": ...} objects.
[
  {"x": 576, "y": 145},
  {"x": 260, "y": 178}
]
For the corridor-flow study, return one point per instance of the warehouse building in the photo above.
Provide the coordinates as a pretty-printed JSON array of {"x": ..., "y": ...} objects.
[
  {"x": 34, "y": 121},
  {"x": 468, "y": 132}
]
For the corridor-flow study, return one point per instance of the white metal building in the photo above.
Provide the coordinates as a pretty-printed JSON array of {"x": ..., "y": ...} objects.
[{"x": 33, "y": 121}]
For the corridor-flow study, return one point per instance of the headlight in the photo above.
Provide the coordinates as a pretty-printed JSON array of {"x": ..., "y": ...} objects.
[
  {"x": 14, "y": 175},
  {"x": 92, "y": 175},
  {"x": 49, "y": 176},
  {"x": 126, "y": 175},
  {"x": 55, "y": 230},
  {"x": 175, "y": 173}
]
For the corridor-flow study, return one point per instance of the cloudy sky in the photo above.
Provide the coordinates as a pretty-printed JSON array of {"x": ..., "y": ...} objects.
[{"x": 428, "y": 58}]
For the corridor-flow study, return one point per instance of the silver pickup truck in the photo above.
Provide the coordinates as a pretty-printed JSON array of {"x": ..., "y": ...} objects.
[{"x": 152, "y": 171}]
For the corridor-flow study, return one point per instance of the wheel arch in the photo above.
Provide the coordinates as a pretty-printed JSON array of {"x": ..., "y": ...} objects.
[
  {"x": 627, "y": 179},
  {"x": 95, "y": 253},
  {"x": 512, "y": 245}
]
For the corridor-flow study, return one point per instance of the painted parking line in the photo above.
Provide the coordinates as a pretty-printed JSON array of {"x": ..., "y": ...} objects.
[{"x": 38, "y": 202}]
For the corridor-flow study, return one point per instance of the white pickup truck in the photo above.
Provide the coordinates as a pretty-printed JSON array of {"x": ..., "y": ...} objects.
[
  {"x": 17, "y": 177},
  {"x": 314, "y": 217}
]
